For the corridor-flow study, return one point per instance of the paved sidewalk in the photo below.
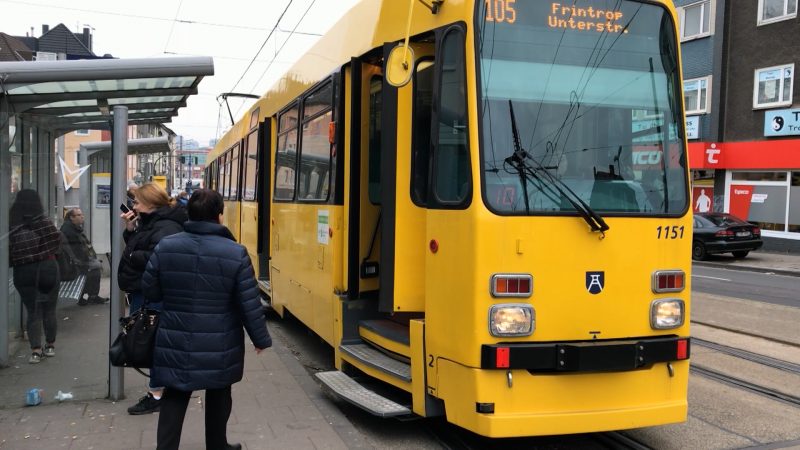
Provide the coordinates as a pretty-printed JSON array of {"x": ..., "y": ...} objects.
[
  {"x": 277, "y": 405},
  {"x": 758, "y": 261}
]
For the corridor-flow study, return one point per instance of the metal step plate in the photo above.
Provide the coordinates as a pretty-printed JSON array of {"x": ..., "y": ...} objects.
[
  {"x": 348, "y": 389},
  {"x": 378, "y": 360},
  {"x": 264, "y": 285}
]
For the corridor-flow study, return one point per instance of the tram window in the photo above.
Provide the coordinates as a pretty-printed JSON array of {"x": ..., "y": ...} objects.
[
  {"x": 224, "y": 178},
  {"x": 318, "y": 101},
  {"x": 250, "y": 180},
  {"x": 315, "y": 157},
  {"x": 374, "y": 186},
  {"x": 451, "y": 156},
  {"x": 234, "y": 173},
  {"x": 286, "y": 154},
  {"x": 420, "y": 157}
]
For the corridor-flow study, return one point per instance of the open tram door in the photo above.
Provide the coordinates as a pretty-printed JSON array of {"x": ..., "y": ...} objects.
[
  {"x": 263, "y": 199},
  {"x": 405, "y": 149},
  {"x": 383, "y": 313}
]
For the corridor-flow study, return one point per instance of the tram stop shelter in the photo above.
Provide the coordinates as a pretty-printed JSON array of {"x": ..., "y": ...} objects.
[{"x": 42, "y": 100}]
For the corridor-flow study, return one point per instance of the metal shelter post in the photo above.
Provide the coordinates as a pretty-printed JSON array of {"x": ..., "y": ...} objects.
[
  {"x": 119, "y": 175},
  {"x": 5, "y": 197}
]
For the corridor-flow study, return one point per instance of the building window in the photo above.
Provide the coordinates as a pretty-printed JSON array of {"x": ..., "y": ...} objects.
[
  {"x": 773, "y": 86},
  {"x": 81, "y": 132},
  {"x": 770, "y": 11},
  {"x": 695, "y": 95},
  {"x": 695, "y": 20}
]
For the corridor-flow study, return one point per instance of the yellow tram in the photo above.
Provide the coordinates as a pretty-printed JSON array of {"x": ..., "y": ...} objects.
[{"x": 484, "y": 204}]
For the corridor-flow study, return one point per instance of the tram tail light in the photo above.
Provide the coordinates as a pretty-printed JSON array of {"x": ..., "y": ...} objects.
[
  {"x": 502, "y": 358},
  {"x": 682, "y": 350},
  {"x": 511, "y": 285},
  {"x": 668, "y": 281},
  {"x": 512, "y": 319},
  {"x": 667, "y": 313}
]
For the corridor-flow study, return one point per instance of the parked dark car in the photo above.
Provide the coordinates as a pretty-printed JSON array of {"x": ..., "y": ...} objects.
[{"x": 723, "y": 233}]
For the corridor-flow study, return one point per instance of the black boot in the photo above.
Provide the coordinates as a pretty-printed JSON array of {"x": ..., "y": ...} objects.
[{"x": 97, "y": 300}]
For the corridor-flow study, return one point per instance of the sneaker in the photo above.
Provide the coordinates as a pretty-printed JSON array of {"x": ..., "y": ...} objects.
[
  {"x": 97, "y": 300},
  {"x": 49, "y": 351},
  {"x": 35, "y": 358},
  {"x": 83, "y": 301},
  {"x": 147, "y": 404}
]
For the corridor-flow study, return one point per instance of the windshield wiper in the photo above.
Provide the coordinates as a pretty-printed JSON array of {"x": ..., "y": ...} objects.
[
  {"x": 517, "y": 159},
  {"x": 595, "y": 222}
]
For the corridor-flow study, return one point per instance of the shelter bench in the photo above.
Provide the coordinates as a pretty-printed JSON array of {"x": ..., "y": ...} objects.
[{"x": 72, "y": 290}]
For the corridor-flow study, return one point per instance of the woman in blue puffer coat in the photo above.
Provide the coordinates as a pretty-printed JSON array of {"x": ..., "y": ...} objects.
[{"x": 208, "y": 290}]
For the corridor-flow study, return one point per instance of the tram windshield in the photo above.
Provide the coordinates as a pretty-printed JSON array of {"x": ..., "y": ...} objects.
[{"x": 594, "y": 88}]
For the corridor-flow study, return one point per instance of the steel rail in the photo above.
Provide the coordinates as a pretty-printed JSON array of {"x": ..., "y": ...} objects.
[{"x": 749, "y": 356}]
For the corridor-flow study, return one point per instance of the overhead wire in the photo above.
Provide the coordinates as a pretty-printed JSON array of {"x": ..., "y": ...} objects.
[
  {"x": 271, "y": 32},
  {"x": 172, "y": 26},
  {"x": 283, "y": 45},
  {"x": 136, "y": 16}
]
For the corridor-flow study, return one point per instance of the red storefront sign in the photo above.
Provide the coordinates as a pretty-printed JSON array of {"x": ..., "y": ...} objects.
[
  {"x": 776, "y": 154},
  {"x": 741, "y": 196}
]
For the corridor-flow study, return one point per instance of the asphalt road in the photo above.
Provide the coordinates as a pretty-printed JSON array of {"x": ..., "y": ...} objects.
[{"x": 763, "y": 287}]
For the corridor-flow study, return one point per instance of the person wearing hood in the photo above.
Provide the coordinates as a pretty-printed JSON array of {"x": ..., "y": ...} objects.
[
  {"x": 154, "y": 217},
  {"x": 84, "y": 255}
]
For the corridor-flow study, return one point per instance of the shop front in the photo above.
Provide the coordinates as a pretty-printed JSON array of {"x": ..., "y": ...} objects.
[{"x": 759, "y": 182}]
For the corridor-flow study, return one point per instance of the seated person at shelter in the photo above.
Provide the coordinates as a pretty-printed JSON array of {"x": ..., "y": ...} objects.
[{"x": 84, "y": 256}]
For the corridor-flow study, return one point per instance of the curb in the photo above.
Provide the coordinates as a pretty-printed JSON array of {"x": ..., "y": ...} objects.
[{"x": 785, "y": 272}]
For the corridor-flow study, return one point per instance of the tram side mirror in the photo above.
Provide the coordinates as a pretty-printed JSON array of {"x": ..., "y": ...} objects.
[{"x": 399, "y": 65}]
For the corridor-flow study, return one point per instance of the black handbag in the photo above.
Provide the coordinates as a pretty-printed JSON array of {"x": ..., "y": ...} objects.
[{"x": 135, "y": 343}]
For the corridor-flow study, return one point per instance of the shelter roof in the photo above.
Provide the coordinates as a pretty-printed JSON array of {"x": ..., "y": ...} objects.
[{"x": 81, "y": 94}]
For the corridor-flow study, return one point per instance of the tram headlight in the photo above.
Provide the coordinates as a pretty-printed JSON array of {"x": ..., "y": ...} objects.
[
  {"x": 512, "y": 319},
  {"x": 667, "y": 313}
]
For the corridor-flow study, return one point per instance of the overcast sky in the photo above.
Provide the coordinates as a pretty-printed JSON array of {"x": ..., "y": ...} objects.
[{"x": 231, "y": 31}]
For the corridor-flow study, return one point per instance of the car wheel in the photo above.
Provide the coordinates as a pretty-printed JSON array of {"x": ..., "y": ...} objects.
[
  {"x": 740, "y": 254},
  {"x": 698, "y": 251}
]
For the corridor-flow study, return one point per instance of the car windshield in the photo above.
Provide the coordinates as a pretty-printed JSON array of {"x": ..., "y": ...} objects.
[
  {"x": 725, "y": 220},
  {"x": 595, "y": 90}
]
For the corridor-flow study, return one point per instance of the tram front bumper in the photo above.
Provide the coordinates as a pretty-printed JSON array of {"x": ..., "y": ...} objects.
[{"x": 519, "y": 402}]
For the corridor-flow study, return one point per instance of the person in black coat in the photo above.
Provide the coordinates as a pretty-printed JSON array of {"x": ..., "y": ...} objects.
[
  {"x": 154, "y": 217},
  {"x": 207, "y": 287},
  {"x": 84, "y": 256}
]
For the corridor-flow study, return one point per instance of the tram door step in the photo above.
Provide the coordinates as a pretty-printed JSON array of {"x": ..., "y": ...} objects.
[
  {"x": 392, "y": 337},
  {"x": 264, "y": 285},
  {"x": 365, "y": 354},
  {"x": 349, "y": 390},
  {"x": 266, "y": 293}
]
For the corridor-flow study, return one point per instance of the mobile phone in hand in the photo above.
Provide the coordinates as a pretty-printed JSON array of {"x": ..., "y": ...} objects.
[{"x": 124, "y": 208}]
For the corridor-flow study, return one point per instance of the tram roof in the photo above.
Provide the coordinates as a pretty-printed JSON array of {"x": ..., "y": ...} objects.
[{"x": 80, "y": 94}]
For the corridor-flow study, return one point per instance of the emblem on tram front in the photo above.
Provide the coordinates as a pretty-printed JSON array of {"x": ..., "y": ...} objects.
[{"x": 595, "y": 281}]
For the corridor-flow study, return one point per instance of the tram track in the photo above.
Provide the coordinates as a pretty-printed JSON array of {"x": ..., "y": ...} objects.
[
  {"x": 749, "y": 356},
  {"x": 740, "y": 383}
]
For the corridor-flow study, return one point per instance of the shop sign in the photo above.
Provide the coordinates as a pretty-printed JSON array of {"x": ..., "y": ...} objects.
[
  {"x": 782, "y": 122},
  {"x": 692, "y": 127}
]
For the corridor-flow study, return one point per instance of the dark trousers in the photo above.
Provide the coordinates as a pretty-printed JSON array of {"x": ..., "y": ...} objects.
[
  {"x": 93, "y": 269},
  {"x": 173, "y": 409},
  {"x": 40, "y": 306}
]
